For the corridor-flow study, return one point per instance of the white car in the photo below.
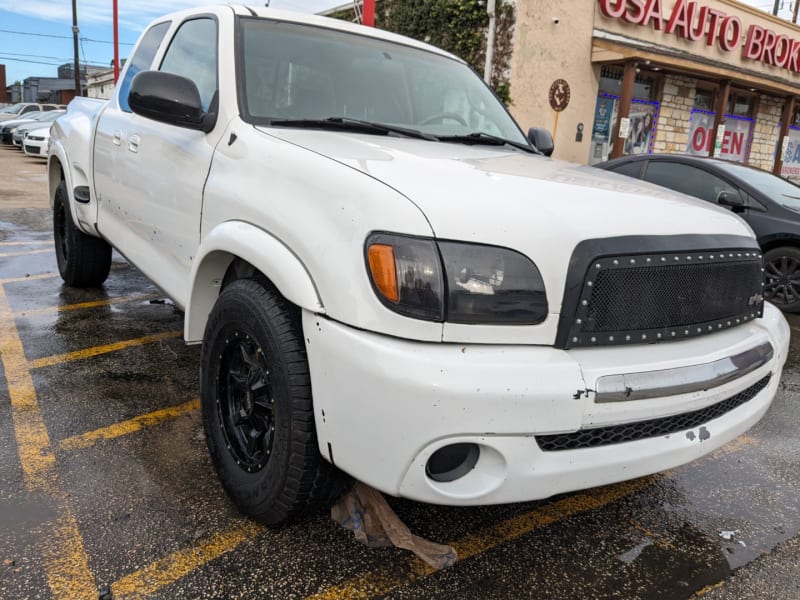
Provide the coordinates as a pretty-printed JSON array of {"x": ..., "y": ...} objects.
[
  {"x": 36, "y": 141},
  {"x": 18, "y": 133},
  {"x": 20, "y": 109},
  {"x": 389, "y": 280}
]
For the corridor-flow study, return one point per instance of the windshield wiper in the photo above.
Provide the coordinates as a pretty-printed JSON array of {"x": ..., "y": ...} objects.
[
  {"x": 479, "y": 137},
  {"x": 348, "y": 124}
]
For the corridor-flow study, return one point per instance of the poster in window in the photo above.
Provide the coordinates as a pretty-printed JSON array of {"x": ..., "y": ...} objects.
[
  {"x": 791, "y": 156},
  {"x": 735, "y": 136},
  {"x": 602, "y": 119},
  {"x": 642, "y": 118}
]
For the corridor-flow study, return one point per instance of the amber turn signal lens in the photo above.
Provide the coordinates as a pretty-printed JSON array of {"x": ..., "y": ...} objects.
[{"x": 384, "y": 273}]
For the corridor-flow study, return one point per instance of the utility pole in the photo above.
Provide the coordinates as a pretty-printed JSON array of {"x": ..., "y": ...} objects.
[
  {"x": 78, "y": 91},
  {"x": 116, "y": 40},
  {"x": 487, "y": 69},
  {"x": 369, "y": 13}
]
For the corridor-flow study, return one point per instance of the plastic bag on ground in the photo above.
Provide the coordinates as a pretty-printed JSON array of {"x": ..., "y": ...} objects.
[{"x": 365, "y": 512}]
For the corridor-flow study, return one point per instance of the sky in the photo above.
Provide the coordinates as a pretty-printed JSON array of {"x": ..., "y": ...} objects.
[{"x": 36, "y": 35}]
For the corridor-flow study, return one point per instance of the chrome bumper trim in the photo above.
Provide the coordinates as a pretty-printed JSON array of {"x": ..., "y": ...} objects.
[{"x": 681, "y": 380}]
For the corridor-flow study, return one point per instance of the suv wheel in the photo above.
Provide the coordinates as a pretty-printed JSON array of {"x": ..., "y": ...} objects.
[
  {"x": 83, "y": 260},
  {"x": 257, "y": 407}
]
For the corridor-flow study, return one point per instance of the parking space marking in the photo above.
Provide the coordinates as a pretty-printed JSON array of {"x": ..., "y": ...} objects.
[
  {"x": 28, "y": 243},
  {"x": 708, "y": 588},
  {"x": 50, "y": 275},
  {"x": 65, "y": 560},
  {"x": 169, "y": 569},
  {"x": 48, "y": 361},
  {"x": 90, "y": 438},
  {"x": 373, "y": 584},
  {"x": 24, "y": 253},
  {"x": 85, "y": 305}
]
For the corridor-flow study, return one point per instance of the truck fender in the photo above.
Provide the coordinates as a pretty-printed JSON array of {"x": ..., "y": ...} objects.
[
  {"x": 270, "y": 256},
  {"x": 58, "y": 168}
]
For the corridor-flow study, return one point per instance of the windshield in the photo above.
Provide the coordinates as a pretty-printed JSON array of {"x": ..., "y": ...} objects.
[
  {"x": 291, "y": 71},
  {"x": 776, "y": 189},
  {"x": 12, "y": 110}
]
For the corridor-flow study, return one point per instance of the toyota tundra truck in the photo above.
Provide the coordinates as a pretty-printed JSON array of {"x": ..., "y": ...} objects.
[{"x": 391, "y": 282}]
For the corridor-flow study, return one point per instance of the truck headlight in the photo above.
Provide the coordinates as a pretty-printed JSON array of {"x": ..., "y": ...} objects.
[{"x": 455, "y": 281}]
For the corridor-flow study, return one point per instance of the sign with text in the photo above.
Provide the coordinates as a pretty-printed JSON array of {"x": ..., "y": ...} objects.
[
  {"x": 733, "y": 138},
  {"x": 694, "y": 21},
  {"x": 791, "y": 154}
]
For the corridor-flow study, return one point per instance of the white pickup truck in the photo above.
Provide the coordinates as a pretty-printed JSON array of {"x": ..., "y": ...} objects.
[{"x": 391, "y": 282}]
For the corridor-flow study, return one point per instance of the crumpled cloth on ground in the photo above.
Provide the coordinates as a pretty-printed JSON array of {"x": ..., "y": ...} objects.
[{"x": 365, "y": 512}]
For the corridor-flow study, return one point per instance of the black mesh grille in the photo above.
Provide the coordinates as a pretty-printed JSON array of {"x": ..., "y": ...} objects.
[
  {"x": 635, "y": 299},
  {"x": 31, "y": 149},
  {"x": 631, "y": 432}
]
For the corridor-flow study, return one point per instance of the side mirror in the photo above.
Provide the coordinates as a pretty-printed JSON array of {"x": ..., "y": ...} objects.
[
  {"x": 541, "y": 139},
  {"x": 169, "y": 98},
  {"x": 732, "y": 200}
]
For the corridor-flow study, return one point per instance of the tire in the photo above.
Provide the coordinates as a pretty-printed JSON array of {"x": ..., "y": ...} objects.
[
  {"x": 257, "y": 408},
  {"x": 83, "y": 260},
  {"x": 782, "y": 278}
]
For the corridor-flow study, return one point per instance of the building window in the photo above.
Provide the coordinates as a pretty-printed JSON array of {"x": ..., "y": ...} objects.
[
  {"x": 741, "y": 104},
  {"x": 643, "y": 114},
  {"x": 704, "y": 99}
]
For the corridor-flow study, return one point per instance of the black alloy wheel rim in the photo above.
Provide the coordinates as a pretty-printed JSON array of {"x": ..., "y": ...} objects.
[
  {"x": 244, "y": 401},
  {"x": 61, "y": 225},
  {"x": 782, "y": 280}
]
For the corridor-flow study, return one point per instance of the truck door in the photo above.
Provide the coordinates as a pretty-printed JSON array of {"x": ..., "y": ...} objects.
[{"x": 152, "y": 214}]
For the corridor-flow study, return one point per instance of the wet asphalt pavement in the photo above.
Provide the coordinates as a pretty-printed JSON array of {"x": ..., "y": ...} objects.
[{"x": 105, "y": 478}]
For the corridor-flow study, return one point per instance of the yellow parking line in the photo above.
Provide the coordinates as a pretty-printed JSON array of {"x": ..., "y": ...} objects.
[
  {"x": 85, "y": 305},
  {"x": 708, "y": 588},
  {"x": 116, "y": 430},
  {"x": 24, "y": 253},
  {"x": 57, "y": 359},
  {"x": 28, "y": 243},
  {"x": 51, "y": 275},
  {"x": 179, "y": 564},
  {"x": 373, "y": 584},
  {"x": 65, "y": 561}
]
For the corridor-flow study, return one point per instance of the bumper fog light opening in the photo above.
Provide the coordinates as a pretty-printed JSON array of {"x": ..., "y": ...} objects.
[{"x": 452, "y": 462}]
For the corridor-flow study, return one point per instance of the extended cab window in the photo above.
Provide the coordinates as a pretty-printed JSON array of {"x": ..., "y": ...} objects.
[
  {"x": 141, "y": 60},
  {"x": 193, "y": 54},
  {"x": 688, "y": 179}
]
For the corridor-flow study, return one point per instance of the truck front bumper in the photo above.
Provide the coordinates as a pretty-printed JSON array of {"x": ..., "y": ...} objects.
[{"x": 383, "y": 406}]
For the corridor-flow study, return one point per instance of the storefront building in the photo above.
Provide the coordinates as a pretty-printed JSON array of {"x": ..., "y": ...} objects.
[{"x": 618, "y": 77}]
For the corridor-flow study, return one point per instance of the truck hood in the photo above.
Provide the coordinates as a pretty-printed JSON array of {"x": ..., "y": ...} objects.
[{"x": 501, "y": 196}]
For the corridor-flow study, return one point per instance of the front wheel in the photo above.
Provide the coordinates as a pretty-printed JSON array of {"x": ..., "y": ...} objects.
[
  {"x": 782, "y": 278},
  {"x": 83, "y": 260},
  {"x": 257, "y": 408}
]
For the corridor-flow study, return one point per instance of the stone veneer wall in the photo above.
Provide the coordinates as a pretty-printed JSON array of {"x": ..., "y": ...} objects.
[
  {"x": 677, "y": 101},
  {"x": 672, "y": 129},
  {"x": 765, "y": 135}
]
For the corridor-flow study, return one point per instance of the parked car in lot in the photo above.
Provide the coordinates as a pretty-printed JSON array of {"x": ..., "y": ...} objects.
[
  {"x": 7, "y": 127},
  {"x": 36, "y": 141},
  {"x": 769, "y": 204},
  {"x": 22, "y": 108},
  {"x": 390, "y": 281},
  {"x": 20, "y": 131}
]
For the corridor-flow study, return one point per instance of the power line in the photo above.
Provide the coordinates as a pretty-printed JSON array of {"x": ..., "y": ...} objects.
[
  {"x": 61, "y": 58},
  {"x": 63, "y": 37},
  {"x": 54, "y": 64}
]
